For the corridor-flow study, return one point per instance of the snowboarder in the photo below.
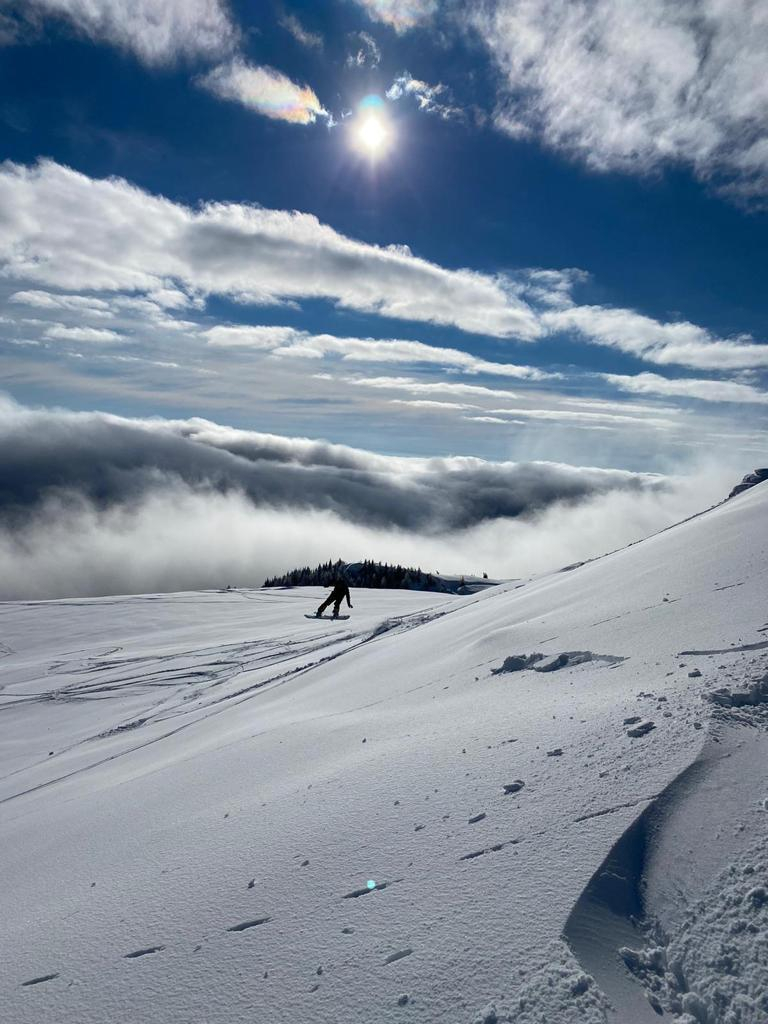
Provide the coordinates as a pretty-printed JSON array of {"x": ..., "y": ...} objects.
[{"x": 337, "y": 595}]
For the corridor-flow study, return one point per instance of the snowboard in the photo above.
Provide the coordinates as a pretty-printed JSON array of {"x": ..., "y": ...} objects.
[{"x": 328, "y": 618}]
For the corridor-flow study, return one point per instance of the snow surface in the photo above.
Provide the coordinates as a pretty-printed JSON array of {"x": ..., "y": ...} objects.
[{"x": 197, "y": 792}]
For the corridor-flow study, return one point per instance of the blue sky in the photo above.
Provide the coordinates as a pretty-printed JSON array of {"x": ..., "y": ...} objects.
[{"x": 557, "y": 252}]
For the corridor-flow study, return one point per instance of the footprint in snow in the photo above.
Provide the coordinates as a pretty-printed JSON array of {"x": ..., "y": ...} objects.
[
  {"x": 357, "y": 893},
  {"x": 641, "y": 730},
  {"x": 245, "y": 925},
  {"x": 513, "y": 787},
  {"x": 39, "y": 981},
  {"x": 401, "y": 955},
  {"x": 143, "y": 952}
]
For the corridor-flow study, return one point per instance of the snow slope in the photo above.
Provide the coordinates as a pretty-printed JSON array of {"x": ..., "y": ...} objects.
[{"x": 198, "y": 790}]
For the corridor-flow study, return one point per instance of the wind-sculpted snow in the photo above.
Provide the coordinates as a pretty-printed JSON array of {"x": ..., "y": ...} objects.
[{"x": 214, "y": 809}]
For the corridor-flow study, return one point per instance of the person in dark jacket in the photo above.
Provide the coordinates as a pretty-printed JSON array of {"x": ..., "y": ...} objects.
[{"x": 337, "y": 595}]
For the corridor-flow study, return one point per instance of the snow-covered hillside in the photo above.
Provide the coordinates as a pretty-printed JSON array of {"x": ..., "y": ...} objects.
[{"x": 544, "y": 803}]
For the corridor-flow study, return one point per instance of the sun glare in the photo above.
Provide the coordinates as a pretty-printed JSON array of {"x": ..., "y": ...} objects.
[
  {"x": 372, "y": 132},
  {"x": 372, "y": 135}
]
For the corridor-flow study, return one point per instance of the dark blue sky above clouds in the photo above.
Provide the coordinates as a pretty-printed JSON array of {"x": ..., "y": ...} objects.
[{"x": 578, "y": 196}]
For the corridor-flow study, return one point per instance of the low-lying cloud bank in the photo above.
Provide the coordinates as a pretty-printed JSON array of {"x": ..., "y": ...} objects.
[{"x": 97, "y": 504}]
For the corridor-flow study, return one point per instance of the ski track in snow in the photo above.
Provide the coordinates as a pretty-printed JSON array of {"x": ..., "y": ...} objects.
[
  {"x": 204, "y": 671},
  {"x": 204, "y": 796}
]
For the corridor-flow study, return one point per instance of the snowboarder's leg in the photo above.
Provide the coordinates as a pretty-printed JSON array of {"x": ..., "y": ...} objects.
[
  {"x": 336, "y": 606},
  {"x": 323, "y": 606}
]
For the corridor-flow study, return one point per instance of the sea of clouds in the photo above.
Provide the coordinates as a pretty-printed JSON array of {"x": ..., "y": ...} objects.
[{"x": 94, "y": 504}]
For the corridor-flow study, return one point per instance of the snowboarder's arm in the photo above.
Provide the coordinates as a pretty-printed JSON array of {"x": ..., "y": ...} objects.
[{"x": 349, "y": 603}]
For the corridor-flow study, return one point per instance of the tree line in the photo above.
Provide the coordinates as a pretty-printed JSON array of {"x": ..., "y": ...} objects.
[{"x": 369, "y": 574}]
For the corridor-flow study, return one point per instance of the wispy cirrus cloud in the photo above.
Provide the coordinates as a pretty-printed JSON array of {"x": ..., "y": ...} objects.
[
  {"x": 433, "y": 99},
  {"x": 59, "y": 332},
  {"x": 265, "y": 338},
  {"x": 674, "y": 343},
  {"x": 287, "y": 342},
  {"x": 302, "y": 35},
  {"x": 646, "y": 419},
  {"x": 367, "y": 54},
  {"x": 264, "y": 90},
  {"x": 83, "y": 304},
  {"x": 705, "y": 390},
  {"x": 62, "y": 229},
  {"x": 434, "y": 405},
  {"x": 633, "y": 86},
  {"x": 420, "y": 387},
  {"x": 155, "y": 33},
  {"x": 401, "y": 15}
]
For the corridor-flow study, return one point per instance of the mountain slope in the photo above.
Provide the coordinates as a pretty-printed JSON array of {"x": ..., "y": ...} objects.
[{"x": 227, "y": 778}]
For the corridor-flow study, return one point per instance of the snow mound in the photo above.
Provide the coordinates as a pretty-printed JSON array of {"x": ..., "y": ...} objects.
[
  {"x": 539, "y": 662},
  {"x": 714, "y": 970}
]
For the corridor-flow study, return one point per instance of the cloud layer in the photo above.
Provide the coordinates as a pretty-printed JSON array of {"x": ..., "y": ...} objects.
[
  {"x": 63, "y": 229},
  {"x": 630, "y": 86},
  {"x": 109, "y": 461},
  {"x": 60, "y": 228},
  {"x": 93, "y": 503}
]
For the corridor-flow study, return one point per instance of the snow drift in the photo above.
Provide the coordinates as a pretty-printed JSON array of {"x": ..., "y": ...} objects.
[{"x": 543, "y": 803}]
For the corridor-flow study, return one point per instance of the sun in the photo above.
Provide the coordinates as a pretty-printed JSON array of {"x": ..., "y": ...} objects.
[
  {"x": 371, "y": 129},
  {"x": 372, "y": 135}
]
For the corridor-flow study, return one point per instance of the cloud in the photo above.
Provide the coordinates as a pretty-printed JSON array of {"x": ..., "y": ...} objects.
[
  {"x": 155, "y": 33},
  {"x": 113, "y": 460},
  {"x": 633, "y": 86},
  {"x": 258, "y": 337},
  {"x": 62, "y": 229},
  {"x": 59, "y": 332},
  {"x": 417, "y": 387},
  {"x": 288, "y": 342},
  {"x": 265, "y": 90},
  {"x": 427, "y": 403},
  {"x": 82, "y": 304},
  {"x": 683, "y": 343},
  {"x": 638, "y": 421},
  {"x": 367, "y": 55},
  {"x": 311, "y": 40},
  {"x": 97, "y": 504},
  {"x": 428, "y": 97},
  {"x": 551, "y": 288},
  {"x": 400, "y": 15},
  {"x": 164, "y": 504},
  {"x": 705, "y": 390}
]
